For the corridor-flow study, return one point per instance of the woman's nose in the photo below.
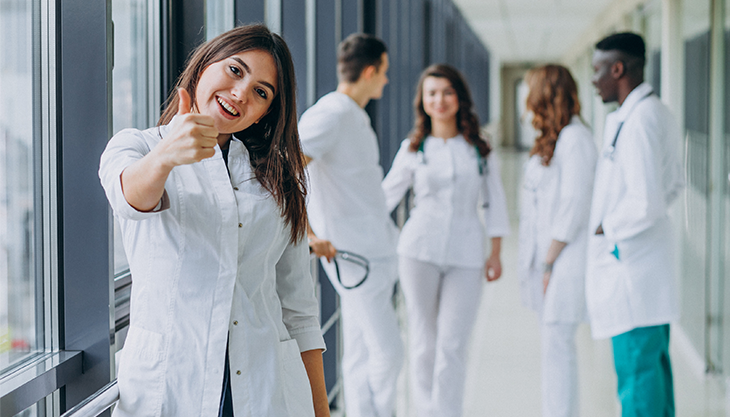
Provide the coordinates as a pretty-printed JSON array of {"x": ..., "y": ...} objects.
[{"x": 240, "y": 91}]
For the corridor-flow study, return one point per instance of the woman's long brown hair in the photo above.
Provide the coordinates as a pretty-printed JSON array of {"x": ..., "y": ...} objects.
[
  {"x": 553, "y": 100},
  {"x": 466, "y": 119},
  {"x": 273, "y": 143}
]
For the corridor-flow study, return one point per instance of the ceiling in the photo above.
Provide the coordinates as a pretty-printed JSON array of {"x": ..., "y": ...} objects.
[{"x": 531, "y": 30}]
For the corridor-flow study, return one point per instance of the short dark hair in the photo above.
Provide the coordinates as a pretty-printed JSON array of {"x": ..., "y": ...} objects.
[
  {"x": 629, "y": 43},
  {"x": 357, "y": 52},
  {"x": 631, "y": 49}
]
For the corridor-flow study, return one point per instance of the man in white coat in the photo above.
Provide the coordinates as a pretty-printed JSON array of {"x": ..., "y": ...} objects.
[
  {"x": 347, "y": 211},
  {"x": 630, "y": 287}
]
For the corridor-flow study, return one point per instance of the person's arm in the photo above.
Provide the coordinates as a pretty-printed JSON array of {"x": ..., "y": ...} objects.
[
  {"x": 554, "y": 250},
  {"x": 315, "y": 371},
  {"x": 493, "y": 266},
  {"x": 300, "y": 314},
  {"x": 192, "y": 138},
  {"x": 320, "y": 247},
  {"x": 494, "y": 200},
  {"x": 400, "y": 176}
]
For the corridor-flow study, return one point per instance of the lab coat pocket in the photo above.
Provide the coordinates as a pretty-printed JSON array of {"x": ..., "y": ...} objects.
[
  {"x": 141, "y": 374},
  {"x": 297, "y": 391}
]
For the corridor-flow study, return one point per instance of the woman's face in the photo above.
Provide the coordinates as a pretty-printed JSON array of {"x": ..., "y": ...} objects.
[
  {"x": 440, "y": 101},
  {"x": 237, "y": 91}
]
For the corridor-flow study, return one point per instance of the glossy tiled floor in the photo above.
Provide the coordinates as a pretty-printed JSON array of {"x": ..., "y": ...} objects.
[{"x": 504, "y": 366}]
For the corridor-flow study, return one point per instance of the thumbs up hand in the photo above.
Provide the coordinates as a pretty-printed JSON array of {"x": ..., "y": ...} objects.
[{"x": 192, "y": 136}]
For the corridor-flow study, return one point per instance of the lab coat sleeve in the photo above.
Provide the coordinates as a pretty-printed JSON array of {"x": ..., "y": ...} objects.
[
  {"x": 319, "y": 131},
  {"x": 299, "y": 305},
  {"x": 576, "y": 159},
  {"x": 400, "y": 176},
  {"x": 643, "y": 200},
  {"x": 494, "y": 201},
  {"x": 124, "y": 149}
]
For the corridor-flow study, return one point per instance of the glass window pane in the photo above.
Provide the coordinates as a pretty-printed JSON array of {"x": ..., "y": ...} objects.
[
  {"x": 694, "y": 250},
  {"x": 18, "y": 290},
  {"x": 130, "y": 82}
]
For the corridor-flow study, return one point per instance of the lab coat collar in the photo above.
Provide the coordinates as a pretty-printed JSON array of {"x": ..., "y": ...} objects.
[{"x": 634, "y": 97}]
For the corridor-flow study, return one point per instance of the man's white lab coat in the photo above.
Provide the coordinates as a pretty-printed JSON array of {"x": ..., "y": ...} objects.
[{"x": 633, "y": 188}]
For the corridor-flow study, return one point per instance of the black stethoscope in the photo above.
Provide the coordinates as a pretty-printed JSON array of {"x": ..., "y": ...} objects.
[
  {"x": 354, "y": 258},
  {"x": 359, "y": 260},
  {"x": 608, "y": 152},
  {"x": 481, "y": 161}
]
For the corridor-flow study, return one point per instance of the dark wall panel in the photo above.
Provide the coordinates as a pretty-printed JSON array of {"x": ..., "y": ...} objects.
[
  {"x": 251, "y": 11},
  {"x": 351, "y": 17},
  {"x": 326, "y": 48},
  {"x": 697, "y": 83},
  {"x": 294, "y": 32},
  {"x": 83, "y": 212}
]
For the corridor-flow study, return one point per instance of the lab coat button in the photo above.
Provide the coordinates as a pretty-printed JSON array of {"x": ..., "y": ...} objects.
[
  {"x": 240, "y": 224},
  {"x": 235, "y": 323},
  {"x": 235, "y": 188},
  {"x": 238, "y": 372}
]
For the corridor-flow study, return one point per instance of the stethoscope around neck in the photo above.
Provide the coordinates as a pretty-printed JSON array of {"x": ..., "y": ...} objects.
[
  {"x": 608, "y": 152},
  {"x": 481, "y": 161}
]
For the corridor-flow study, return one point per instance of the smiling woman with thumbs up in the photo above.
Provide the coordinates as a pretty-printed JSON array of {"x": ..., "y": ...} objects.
[{"x": 224, "y": 319}]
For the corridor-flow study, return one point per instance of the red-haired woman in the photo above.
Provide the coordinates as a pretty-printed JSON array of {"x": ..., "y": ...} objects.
[
  {"x": 451, "y": 170},
  {"x": 555, "y": 204}
]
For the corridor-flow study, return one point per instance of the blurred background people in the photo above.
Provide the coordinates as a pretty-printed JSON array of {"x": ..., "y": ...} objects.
[
  {"x": 553, "y": 233},
  {"x": 347, "y": 212},
  {"x": 452, "y": 172},
  {"x": 631, "y": 282}
]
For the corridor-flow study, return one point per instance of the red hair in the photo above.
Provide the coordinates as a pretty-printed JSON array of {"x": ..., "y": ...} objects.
[{"x": 553, "y": 100}]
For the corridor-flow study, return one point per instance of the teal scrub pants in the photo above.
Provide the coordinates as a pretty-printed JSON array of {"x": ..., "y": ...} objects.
[{"x": 644, "y": 371}]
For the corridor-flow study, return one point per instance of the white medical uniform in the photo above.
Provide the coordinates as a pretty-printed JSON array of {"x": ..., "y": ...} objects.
[
  {"x": 211, "y": 265},
  {"x": 442, "y": 255},
  {"x": 347, "y": 207},
  {"x": 555, "y": 205},
  {"x": 634, "y": 186}
]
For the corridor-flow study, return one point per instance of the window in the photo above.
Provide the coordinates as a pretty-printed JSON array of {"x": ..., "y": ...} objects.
[
  {"x": 21, "y": 292},
  {"x": 135, "y": 78}
]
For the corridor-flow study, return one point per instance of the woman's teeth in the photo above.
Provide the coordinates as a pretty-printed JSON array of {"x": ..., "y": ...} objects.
[{"x": 227, "y": 106}]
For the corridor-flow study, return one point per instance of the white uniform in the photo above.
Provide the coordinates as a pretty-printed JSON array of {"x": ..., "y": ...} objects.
[
  {"x": 347, "y": 207},
  {"x": 212, "y": 263},
  {"x": 555, "y": 205},
  {"x": 441, "y": 251},
  {"x": 633, "y": 188}
]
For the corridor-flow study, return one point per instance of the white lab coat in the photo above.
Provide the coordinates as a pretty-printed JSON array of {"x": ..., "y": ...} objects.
[
  {"x": 212, "y": 263},
  {"x": 555, "y": 205},
  {"x": 443, "y": 227},
  {"x": 633, "y": 189},
  {"x": 346, "y": 204}
]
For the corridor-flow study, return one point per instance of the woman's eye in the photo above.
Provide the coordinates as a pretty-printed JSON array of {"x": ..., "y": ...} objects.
[
  {"x": 261, "y": 92},
  {"x": 235, "y": 70}
]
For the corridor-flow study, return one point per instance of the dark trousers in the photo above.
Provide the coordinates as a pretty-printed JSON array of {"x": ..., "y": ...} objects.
[{"x": 226, "y": 408}]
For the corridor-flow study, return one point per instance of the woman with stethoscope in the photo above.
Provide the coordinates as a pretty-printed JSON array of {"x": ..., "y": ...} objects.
[
  {"x": 211, "y": 203},
  {"x": 555, "y": 205},
  {"x": 441, "y": 249}
]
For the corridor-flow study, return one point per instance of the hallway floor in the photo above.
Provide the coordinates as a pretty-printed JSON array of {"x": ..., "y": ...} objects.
[{"x": 503, "y": 377}]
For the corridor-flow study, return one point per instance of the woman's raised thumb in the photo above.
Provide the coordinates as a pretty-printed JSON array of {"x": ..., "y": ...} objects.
[{"x": 183, "y": 101}]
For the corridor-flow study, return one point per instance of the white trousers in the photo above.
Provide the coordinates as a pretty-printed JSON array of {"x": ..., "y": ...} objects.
[
  {"x": 442, "y": 304},
  {"x": 372, "y": 354},
  {"x": 559, "y": 370}
]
